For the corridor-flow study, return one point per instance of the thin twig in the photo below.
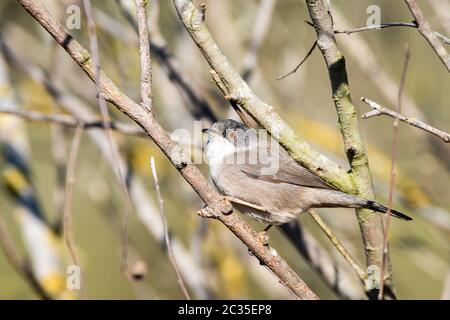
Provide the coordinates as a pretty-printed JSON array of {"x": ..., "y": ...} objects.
[
  {"x": 300, "y": 63},
  {"x": 172, "y": 259},
  {"x": 426, "y": 31},
  {"x": 388, "y": 25},
  {"x": 73, "y": 122},
  {"x": 19, "y": 263},
  {"x": 380, "y": 110},
  {"x": 112, "y": 143},
  {"x": 70, "y": 180},
  {"x": 260, "y": 29},
  {"x": 393, "y": 174},
  {"x": 347, "y": 256},
  {"x": 144, "y": 53}
]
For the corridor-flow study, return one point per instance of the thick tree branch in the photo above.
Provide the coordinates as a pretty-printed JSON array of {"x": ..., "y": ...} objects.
[
  {"x": 218, "y": 207},
  {"x": 370, "y": 222}
]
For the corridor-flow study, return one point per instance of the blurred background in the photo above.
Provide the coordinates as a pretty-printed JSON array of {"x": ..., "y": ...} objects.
[{"x": 36, "y": 74}]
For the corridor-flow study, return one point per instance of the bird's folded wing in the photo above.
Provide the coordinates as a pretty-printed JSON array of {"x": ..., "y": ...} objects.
[{"x": 288, "y": 171}]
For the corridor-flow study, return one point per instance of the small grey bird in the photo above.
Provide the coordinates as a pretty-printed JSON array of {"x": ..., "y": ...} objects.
[{"x": 262, "y": 181}]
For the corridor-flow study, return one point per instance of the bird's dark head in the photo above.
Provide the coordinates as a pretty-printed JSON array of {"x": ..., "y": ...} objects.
[{"x": 231, "y": 130}]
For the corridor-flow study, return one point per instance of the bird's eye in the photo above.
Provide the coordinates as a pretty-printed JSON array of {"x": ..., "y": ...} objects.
[{"x": 232, "y": 135}]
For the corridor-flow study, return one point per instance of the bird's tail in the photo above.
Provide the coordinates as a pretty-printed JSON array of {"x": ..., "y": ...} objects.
[{"x": 380, "y": 208}]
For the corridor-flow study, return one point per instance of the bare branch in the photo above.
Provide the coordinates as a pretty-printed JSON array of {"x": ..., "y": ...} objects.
[
  {"x": 217, "y": 207},
  {"x": 168, "y": 242},
  {"x": 380, "y": 110},
  {"x": 426, "y": 31}
]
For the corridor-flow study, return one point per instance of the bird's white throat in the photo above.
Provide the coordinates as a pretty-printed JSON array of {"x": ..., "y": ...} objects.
[{"x": 216, "y": 150}]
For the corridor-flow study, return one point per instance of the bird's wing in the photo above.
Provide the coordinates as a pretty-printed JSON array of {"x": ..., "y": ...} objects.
[{"x": 288, "y": 171}]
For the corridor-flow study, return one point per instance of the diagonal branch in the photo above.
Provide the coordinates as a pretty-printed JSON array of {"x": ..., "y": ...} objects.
[{"x": 217, "y": 207}]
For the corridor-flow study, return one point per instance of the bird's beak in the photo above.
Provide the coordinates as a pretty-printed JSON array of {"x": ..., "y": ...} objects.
[{"x": 206, "y": 130}]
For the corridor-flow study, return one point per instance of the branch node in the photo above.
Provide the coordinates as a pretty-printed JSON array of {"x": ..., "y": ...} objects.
[{"x": 206, "y": 212}]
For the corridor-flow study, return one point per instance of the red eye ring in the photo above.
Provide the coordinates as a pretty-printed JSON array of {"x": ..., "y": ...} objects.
[{"x": 232, "y": 135}]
